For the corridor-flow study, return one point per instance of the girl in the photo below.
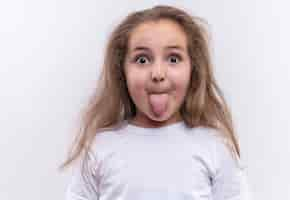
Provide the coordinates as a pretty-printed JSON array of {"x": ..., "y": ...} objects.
[{"x": 158, "y": 126}]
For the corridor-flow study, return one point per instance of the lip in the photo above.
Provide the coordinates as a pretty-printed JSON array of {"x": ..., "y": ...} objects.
[{"x": 158, "y": 92}]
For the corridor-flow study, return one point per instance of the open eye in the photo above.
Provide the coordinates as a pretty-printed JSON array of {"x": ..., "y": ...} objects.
[
  {"x": 141, "y": 59},
  {"x": 174, "y": 58}
]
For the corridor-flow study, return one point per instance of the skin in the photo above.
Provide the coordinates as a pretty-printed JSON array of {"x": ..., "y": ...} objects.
[{"x": 157, "y": 68}]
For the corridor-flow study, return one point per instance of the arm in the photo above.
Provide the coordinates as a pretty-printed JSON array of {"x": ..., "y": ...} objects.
[
  {"x": 230, "y": 181},
  {"x": 84, "y": 183}
]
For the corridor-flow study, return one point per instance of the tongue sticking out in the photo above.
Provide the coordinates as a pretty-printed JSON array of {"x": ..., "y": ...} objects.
[{"x": 158, "y": 103}]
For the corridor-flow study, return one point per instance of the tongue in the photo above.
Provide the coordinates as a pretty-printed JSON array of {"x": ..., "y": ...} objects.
[{"x": 158, "y": 103}]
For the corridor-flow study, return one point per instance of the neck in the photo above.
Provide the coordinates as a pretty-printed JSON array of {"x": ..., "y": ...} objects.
[{"x": 142, "y": 120}]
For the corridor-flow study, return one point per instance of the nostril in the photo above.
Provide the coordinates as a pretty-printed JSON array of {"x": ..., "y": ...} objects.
[{"x": 158, "y": 79}]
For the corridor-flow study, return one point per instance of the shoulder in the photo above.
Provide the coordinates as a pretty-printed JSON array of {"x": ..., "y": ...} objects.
[
  {"x": 222, "y": 148},
  {"x": 210, "y": 136},
  {"x": 206, "y": 136},
  {"x": 105, "y": 141},
  {"x": 216, "y": 144}
]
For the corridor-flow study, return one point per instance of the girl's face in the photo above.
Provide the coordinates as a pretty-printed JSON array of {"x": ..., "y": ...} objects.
[{"x": 157, "y": 69}]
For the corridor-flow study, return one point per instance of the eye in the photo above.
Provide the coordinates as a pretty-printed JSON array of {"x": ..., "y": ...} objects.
[
  {"x": 174, "y": 58},
  {"x": 141, "y": 59}
]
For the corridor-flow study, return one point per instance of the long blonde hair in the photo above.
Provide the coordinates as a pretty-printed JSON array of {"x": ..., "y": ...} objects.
[{"x": 204, "y": 104}]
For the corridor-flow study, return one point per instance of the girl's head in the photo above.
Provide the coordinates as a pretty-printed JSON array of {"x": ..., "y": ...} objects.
[
  {"x": 158, "y": 50},
  {"x": 157, "y": 70}
]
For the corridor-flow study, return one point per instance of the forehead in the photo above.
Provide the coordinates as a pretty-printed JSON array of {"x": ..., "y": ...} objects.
[{"x": 158, "y": 34}]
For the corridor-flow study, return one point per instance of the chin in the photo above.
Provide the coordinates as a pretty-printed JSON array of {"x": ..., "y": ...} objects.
[{"x": 162, "y": 118}]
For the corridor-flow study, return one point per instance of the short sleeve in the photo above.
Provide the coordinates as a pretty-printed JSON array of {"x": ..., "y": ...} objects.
[
  {"x": 230, "y": 181},
  {"x": 85, "y": 179}
]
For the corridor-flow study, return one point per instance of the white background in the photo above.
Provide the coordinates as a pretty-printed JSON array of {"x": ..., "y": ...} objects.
[{"x": 50, "y": 55}]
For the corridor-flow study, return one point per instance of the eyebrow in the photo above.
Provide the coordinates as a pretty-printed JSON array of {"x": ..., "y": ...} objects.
[{"x": 138, "y": 48}]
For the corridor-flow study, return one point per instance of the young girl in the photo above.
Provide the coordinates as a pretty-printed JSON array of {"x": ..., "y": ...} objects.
[{"x": 158, "y": 126}]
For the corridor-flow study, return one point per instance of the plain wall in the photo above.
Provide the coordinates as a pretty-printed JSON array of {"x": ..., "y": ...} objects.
[{"x": 51, "y": 55}]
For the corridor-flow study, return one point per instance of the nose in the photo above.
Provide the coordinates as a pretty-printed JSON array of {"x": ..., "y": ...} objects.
[{"x": 158, "y": 73}]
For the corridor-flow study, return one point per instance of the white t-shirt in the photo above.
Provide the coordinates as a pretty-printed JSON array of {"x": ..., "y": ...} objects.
[{"x": 173, "y": 162}]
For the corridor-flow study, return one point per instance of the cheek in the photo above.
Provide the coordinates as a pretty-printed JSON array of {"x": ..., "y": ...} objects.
[
  {"x": 179, "y": 91},
  {"x": 181, "y": 82},
  {"x": 136, "y": 86}
]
